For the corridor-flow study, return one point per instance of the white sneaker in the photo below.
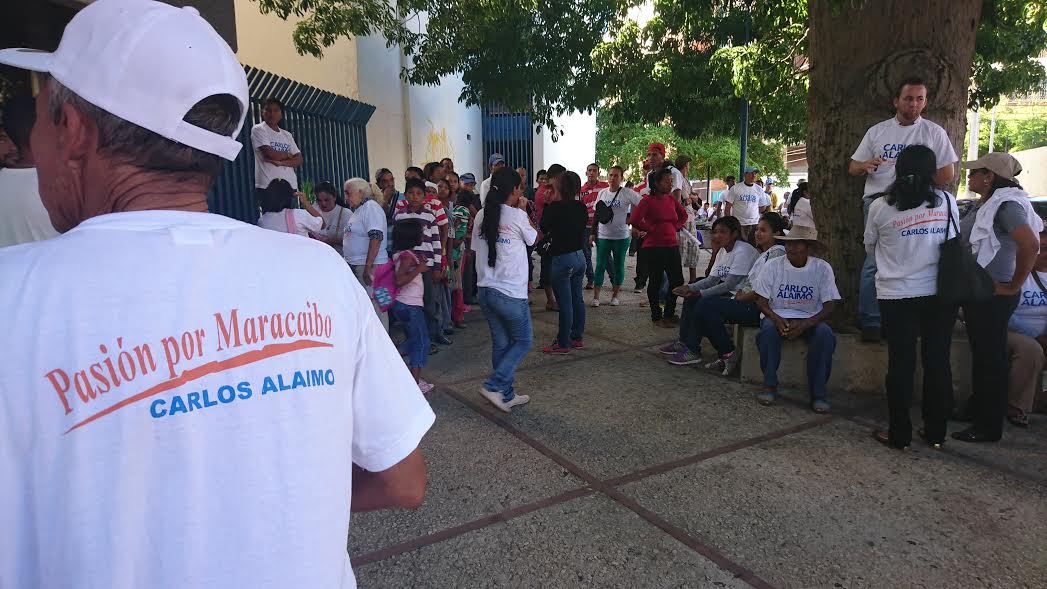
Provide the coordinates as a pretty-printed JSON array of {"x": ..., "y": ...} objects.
[
  {"x": 638, "y": 290},
  {"x": 425, "y": 387},
  {"x": 615, "y": 302},
  {"x": 595, "y": 303},
  {"x": 496, "y": 399},
  {"x": 518, "y": 400}
]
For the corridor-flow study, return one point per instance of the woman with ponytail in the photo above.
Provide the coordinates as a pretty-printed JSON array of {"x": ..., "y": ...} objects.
[
  {"x": 904, "y": 231},
  {"x": 800, "y": 213},
  {"x": 501, "y": 234}
]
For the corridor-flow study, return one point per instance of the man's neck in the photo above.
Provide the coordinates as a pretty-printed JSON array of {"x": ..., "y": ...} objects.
[
  {"x": 133, "y": 189},
  {"x": 903, "y": 122},
  {"x": 796, "y": 263}
]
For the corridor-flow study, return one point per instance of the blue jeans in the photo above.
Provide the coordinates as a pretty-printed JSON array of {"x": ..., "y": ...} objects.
[
  {"x": 588, "y": 251},
  {"x": 443, "y": 302},
  {"x": 412, "y": 319},
  {"x": 510, "y": 323},
  {"x": 566, "y": 275},
  {"x": 718, "y": 311},
  {"x": 868, "y": 308},
  {"x": 821, "y": 343}
]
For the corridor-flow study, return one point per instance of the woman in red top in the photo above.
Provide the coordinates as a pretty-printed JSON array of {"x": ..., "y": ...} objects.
[{"x": 661, "y": 216}]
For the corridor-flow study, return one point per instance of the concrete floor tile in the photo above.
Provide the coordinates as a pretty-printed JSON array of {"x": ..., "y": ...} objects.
[
  {"x": 627, "y": 411},
  {"x": 831, "y": 508},
  {"x": 475, "y": 469},
  {"x": 587, "y": 542}
]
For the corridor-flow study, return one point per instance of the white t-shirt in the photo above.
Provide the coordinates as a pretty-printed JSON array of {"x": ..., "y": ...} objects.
[
  {"x": 356, "y": 239},
  {"x": 746, "y": 202},
  {"x": 23, "y": 217},
  {"x": 738, "y": 261},
  {"x": 485, "y": 187},
  {"x": 335, "y": 221},
  {"x": 907, "y": 245},
  {"x": 802, "y": 214},
  {"x": 208, "y": 400},
  {"x": 282, "y": 141},
  {"x": 888, "y": 138},
  {"x": 797, "y": 293},
  {"x": 616, "y": 228},
  {"x": 303, "y": 222},
  {"x": 1030, "y": 317},
  {"x": 509, "y": 275}
]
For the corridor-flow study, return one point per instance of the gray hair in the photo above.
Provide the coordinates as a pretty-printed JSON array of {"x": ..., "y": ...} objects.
[{"x": 128, "y": 143}]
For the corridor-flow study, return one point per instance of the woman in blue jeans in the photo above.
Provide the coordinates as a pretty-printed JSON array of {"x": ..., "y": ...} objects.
[
  {"x": 709, "y": 317},
  {"x": 501, "y": 272},
  {"x": 564, "y": 222}
]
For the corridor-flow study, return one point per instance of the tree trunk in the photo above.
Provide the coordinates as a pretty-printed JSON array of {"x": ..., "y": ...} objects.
[{"x": 858, "y": 55}]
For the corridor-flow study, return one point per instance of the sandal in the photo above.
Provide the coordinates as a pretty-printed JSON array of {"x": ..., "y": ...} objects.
[
  {"x": 885, "y": 439},
  {"x": 1019, "y": 419},
  {"x": 552, "y": 307}
]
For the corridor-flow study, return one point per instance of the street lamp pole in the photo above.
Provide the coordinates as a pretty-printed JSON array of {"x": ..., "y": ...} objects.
[{"x": 743, "y": 130}]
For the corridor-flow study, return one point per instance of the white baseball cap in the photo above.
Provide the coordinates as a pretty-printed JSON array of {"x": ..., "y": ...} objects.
[{"x": 148, "y": 63}]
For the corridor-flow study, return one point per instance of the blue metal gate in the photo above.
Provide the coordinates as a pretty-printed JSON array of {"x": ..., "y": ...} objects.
[
  {"x": 331, "y": 131},
  {"x": 510, "y": 134}
]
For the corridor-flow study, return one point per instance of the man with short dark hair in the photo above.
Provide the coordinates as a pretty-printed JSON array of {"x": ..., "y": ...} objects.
[
  {"x": 276, "y": 154},
  {"x": 747, "y": 201},
  {"x": 23, "y": 217},
  {"x": 590, "y": 191},
  {"x": 194, "y": 385},
  {"x": 875, "y": 159},
  {"x": 413, "y": 172}
]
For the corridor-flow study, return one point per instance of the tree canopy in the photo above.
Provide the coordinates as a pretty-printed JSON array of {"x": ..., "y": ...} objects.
[{"x": 683, "y": 67}]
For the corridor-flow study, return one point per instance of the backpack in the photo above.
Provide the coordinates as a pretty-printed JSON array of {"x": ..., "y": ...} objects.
[{"x": 384, "y": 285}]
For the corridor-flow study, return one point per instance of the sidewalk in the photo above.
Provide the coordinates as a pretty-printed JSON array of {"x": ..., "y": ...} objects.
[{"x": 624, "y": 471}]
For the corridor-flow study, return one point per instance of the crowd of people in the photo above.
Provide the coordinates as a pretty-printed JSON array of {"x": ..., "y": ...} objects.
[{"x": 188, "y": 358}]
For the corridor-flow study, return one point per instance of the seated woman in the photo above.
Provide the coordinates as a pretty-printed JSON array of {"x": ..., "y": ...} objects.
[
  {"x": 277, "y": 212},
  {"x": 734, "y": 259},
  {"x": 796, "y": 294},
  {"x": 1027, "y": 342},
  {"x": 714, "y": 313}
]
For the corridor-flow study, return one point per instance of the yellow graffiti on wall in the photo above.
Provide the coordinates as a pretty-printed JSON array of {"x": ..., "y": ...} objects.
[{"x": 438, "y": 147}]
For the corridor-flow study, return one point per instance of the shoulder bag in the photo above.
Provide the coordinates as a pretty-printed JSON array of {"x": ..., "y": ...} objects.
[{"x": 961, "y": 279}]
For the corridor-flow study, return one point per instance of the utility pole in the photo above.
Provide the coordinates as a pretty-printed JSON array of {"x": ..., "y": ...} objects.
[{"x": 743, "y": 130}]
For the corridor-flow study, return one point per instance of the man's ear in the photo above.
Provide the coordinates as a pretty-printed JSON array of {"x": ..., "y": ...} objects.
[{"x": 77, "y": 135}]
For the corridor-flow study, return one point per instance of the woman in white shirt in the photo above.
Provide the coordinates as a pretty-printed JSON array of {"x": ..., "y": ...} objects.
[
  {"x": 278, "y": 214},
  {"x": 1026, "y": 342},
  {"x": 732, "y": 264},
  {"x": 714, "y": 312},
  {"x": 363, "y": 240},
  {"x": 501, "y": 234},
  {"x": 800, "y": 213},
  {"x": 904, "y": 231},
  {"x": 335, "y": 216}
]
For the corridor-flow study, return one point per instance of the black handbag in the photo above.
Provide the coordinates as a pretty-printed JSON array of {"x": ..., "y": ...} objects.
[
  {"x": 961, "y": 279},
  {"x": 604, "y": 214}
]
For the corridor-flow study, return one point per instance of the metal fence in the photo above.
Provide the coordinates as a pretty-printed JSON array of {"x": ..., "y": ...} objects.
[
  {"x": 510, "y": 134},
  {"x": 331, "y": 131}
]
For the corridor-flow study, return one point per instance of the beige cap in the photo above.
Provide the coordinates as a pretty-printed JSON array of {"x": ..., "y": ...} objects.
[{"x": 1002, "y": 164}]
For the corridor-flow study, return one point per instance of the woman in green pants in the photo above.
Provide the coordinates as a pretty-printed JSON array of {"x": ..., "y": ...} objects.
[{"x": 612, "y": 238}]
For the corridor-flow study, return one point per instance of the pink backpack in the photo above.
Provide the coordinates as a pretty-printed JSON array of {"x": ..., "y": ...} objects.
[{"x": 384, "y": 285}]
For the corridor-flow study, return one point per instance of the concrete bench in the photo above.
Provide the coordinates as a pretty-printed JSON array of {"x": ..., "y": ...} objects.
[{"x": 857, "y": 367}]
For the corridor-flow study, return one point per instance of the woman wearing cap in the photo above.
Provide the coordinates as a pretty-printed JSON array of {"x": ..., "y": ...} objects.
[
  {"x": 564, "y": 222},
  {"x": 797, "y": 293},
  {"x": 278, "y": 214},
  {"x": 904, "y": 231},
  {"x": 1002, "y": 230}
]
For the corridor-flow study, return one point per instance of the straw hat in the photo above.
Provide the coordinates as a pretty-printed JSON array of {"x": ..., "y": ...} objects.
[{"x": 803, "y": 233}]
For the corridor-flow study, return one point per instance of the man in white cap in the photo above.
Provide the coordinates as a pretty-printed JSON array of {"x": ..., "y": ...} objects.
[
  {"x": 495, "y": 162},
  {"x": 187, "y": 400}
]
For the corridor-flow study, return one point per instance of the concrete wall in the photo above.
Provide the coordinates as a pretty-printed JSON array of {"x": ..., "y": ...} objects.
[
  {"x": 575, "y": 149},
  {"x": 265, "y": 42},
  {"x": 443, "y": 127},
  {"x": 388, "y": 143}
]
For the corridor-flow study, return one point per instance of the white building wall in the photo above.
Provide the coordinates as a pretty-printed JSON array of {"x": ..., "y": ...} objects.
[
  {"x": 442, "y": 127},
  {"x": 380, "y": 84},
  {"x": 575, "y": 149}
]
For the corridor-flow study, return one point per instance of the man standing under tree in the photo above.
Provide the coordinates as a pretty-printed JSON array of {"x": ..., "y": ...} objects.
[
  {"x": 875, "y": 159},
  {"x": 590, "y": 191},
  {"x": 747, "y": 201},
  {"x": 165, "y": 333}
]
